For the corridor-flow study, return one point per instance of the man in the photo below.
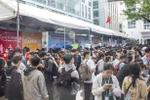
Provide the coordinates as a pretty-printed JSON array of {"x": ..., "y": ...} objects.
[
  {"x": 50, "y": 72},
  {"x": 14, "y": 88},
  {"x": 116, "y": 61},
  {"x": 18, "y": 52},
  {"x": 122, "y": 61},
  {"x": 34, "y": 82},
  {"x": 146, "y": 60},
  {"x": 77, "y": 58},
  {"x": 88, "y": 84}
]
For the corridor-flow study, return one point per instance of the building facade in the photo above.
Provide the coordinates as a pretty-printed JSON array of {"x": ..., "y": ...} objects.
[
  {"x": 81, "y": 9},
  {"x": 102, "y": 10}
]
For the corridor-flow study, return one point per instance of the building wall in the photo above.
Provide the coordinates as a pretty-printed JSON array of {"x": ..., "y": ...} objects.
[
  {"x": 71, "y": 8},
  {"x": 104, "y": 10}
]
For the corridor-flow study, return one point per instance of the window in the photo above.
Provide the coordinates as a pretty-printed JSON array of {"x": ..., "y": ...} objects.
[
  {"x": 131, "y": 24},
  {"x": 60, "y": 6},
  {"x": 95, "y": 4},
  {"x": 41, "y": 1},
  {"x": 96, "y": 14},
  {"x": 83, "y": 1},
  {"x": 82, "y": 10},
  {"x": 90, "y": 4},
  {"x": 86, "y": 12},
  {"x": 146, "y": 25},
  {"x": 52, "y": 3},
  {"x": 96, "y": 21},
  {"x": 89, "y": 13}
]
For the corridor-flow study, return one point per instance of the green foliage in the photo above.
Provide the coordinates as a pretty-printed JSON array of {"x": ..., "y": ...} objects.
[
  {"x": 131, "y": 41},
  {"x": 137, "y": 9}
]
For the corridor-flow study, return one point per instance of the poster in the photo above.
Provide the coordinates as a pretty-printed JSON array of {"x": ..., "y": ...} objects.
[
  {"x": 32, "y": 40},
  {"x": 8, "y": 39}
]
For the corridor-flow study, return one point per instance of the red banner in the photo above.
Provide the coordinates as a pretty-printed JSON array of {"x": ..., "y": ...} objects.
[{"x": 8, "y": 39}]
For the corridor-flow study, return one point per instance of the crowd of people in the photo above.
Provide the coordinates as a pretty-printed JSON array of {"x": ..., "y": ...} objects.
[{"x": 101, "y": 73}]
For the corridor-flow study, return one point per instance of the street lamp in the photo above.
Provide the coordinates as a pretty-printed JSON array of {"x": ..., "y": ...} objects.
[{"x": 18, "y": 23}]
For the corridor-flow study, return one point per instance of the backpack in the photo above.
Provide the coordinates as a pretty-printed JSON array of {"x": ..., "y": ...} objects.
[
  {"x": 85, "y": 73},
  {"x": 116, "y": 69},
  {"x": 64, "y": 78}
]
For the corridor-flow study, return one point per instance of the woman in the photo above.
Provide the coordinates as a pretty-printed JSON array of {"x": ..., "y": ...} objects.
[
  {"x": 100, "y": 63},
  {"x": 134, "y": 88},
  {"x": 2, "y": 79},
  {"x": 68, "y": 92},
  {"x": 106, "y": 85}
]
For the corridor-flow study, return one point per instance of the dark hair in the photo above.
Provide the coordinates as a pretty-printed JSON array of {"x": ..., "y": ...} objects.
[
  {"x": 17, "y": 50},
  {"x": 86, "y": 53},
  {"x": 140, "y": 62},
  {"x": 42, "y": 54},
  {"x": 27, "y": 49},
  {"x": 35, "y": 61},
  {"x": 2, "y": 63},
  {"x": 108, "y": 66},
  {"x": 67, "y": 58},
  {"x": 130, "y": 58},
  {"x": 147, "y": 50},
  {"x": 101, "y": 55},
  {"x": 73, "y": 50},
  {"x": 16, "y": 59},
  {"x": 107, "y": 59},
  {"x": 135, "y": 72},
  {"x": 123, "y": 57}
]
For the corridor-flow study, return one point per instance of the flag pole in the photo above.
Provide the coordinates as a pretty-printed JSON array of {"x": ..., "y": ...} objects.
[{"x": 18, "y": 23}]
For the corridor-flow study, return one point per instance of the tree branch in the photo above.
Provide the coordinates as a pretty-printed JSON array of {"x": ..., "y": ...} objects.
[{"x": 147, "y": 19}]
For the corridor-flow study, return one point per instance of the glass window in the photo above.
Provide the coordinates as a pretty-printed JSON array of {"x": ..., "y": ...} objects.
[
  {"x": 95, "y": 4},
  {"x": 60, "y": 6},
  {"x": 90, "y": 4},
  {"x": 131, "y": 24},
  {"x": 41, "y": 1},
  {"x": 96, "y": 14},
  {"x": 82, "y": 10},
  {"x": 86, "y": 12},
  {"x": 52, "y": 3},
  {"x": 89, "y": 13},
  {"x": 96, "y": 21},
  {"x": 83, "y": 1},
  {"x": 146, "y": 25}
]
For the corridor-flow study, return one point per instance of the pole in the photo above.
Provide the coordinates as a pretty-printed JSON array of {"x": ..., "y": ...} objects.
[
  {"x": 18, "y": 23},
  {"x": 90, "y": 39},
  {"x": 64, "y": 38}
]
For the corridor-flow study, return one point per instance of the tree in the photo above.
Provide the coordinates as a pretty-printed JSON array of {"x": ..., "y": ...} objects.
[{"x": 137, "y": 9}]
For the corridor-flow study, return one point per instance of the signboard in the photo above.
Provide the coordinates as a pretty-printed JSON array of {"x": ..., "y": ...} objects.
[
  {"x": 32, "y": 40},
  {"x": 8, "y": 39}
]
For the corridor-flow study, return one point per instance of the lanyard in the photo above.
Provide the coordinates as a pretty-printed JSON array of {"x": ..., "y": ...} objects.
[{"x": 107, "y": 91}]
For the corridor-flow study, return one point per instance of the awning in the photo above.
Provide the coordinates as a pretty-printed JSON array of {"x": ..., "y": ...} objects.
[{"x": 9, "y": 10}]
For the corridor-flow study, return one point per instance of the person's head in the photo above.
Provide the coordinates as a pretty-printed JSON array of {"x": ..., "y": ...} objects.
[
  {"x": 123, "y": 58},
  {"x": 43, "y": 55},
  {"x": 35, "y": 61},
  {"x": 96, "y": 53},
  {"x": 74, "y": 51},
  {"x": 27, "y": 49},
  {"x": 135, "y": 72},
  {"x": 68, "y": 58},
  {"x": 101, "y": 56},
  {"x": 147, "y": 51},
  {"x": 2, "y": 65},
  {"x": 17, "y": 52},
  {"x": 17, "y": 60},
  {"x": 108, "y": 59},
  {"x": 129, "y": 58},
  {"x": 107, "y": 70},
  {"x": 31, "y": 54},
  {"x": 141, "y": 64},
  {"x": 86, "y": 55}
]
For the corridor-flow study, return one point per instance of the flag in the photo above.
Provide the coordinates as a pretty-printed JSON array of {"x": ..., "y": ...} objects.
[{"x": 108, "y": 20}]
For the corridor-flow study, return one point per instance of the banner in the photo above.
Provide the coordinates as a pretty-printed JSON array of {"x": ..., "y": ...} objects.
[
  {"x": 8, "y": 39},
  {"x": 32, "y": 40}
]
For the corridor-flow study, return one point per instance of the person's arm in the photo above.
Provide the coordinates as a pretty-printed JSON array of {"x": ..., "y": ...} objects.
[
  {"x": 143, "y": 90},
  {"x": 96, "y": 89},
  {"x": 116, "y": 89},
  {"x": 42, "y": 87},
  {"x": 92, "y": 66}
]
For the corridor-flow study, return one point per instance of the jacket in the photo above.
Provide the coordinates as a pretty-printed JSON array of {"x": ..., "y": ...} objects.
[
  {"x": 14, "y": 88},
  {"x": 97, "y": 88},
  {"x": 139, "y": 92},
  {"x": 74, "y": 74},
  {"x": 34, "y": 85},
  {"x": 2, "y": 85}
]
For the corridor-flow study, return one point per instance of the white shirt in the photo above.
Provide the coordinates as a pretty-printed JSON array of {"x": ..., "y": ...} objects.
[
  {"x": 115, "y": 62},
  {"x": 91, "y": 65}
]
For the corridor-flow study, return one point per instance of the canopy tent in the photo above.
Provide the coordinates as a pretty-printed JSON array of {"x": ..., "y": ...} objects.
[{"x": 9, "y": 11}]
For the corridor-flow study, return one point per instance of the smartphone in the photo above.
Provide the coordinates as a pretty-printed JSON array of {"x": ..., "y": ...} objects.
[{"x": 109, "y": 85}]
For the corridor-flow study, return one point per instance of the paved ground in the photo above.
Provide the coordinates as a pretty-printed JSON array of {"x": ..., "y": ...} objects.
[{"x": 79, "y": 96}]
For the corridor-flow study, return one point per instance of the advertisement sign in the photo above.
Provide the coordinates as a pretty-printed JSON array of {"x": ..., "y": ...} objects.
[
  {"x": 32, "y": 40},
  {"x": 8, "y": 39}
]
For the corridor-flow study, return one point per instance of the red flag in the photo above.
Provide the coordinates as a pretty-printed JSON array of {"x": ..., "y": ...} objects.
[{"x": 108, "y": 20}]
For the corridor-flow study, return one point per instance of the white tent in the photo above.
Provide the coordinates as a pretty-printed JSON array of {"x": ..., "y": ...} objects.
[{"x": 8, "y": 10}]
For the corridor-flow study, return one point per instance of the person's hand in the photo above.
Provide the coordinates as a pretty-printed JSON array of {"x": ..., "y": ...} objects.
[
  {"x": 111, "y": 89},
  {"x": 107, "y": 86},
  {"x": 148, "y": 88},
  {"x": 93, "y": 70},
  {"x": 41, "y": 65}
]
